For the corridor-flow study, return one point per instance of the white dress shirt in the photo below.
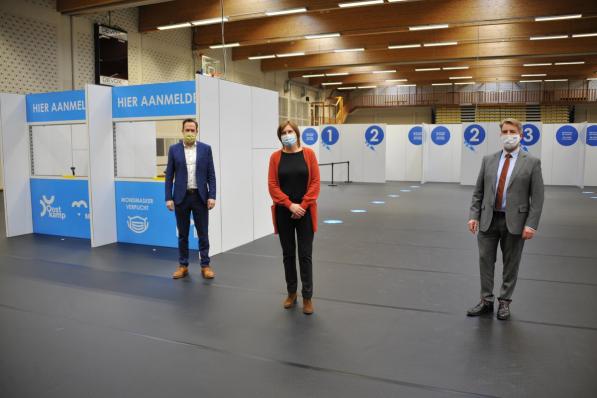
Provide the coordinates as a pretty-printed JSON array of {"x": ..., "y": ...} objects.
[
  {"x": 190, "y": 154},
  {"x": 510, "y": 168}
]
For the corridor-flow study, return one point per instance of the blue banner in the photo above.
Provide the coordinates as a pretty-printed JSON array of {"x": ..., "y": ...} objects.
[
  {"x": 154, "y": 100},
  {"x": 567, "y": 135},
  {"x": 440, "y": 135},
  {"x": 142, "y": 216},
  {"x": 60, "y": 207},
  {"x": 63, "y": 106}
]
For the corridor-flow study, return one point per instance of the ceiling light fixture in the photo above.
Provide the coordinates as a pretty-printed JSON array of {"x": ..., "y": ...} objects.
[
  {"x": 558, "y": 17},
  {"x": 285, "y": 12},
  {"x": 460, "y": 77},
  {"x": 360, "y": 3},
  {"x": 286, "y": 55},
  {"x": 396, "y": 80},
  {"x": 531, "y": 81},
  {"x": 347, "y": 88},
  {"x": 454, "y": 67},
  {"x": 441, "y": 84},
  {"x": 331, "y": 83},
  {"x": 322, "y": 36},
  {"x": 540, "y": 64},
  {"x": 584, "y": 35},
  {"x": 337, "y": 74},
  {"x": 570, "y": 63},
  {"x": 209, "y": 21},
  {"x": 534, "y": 75},
  {"x": 349, "y": 50},
  {"x": 227, "y": 45},
  {"x": 175, "y": 26},
  {"x": 384, "y": 71},
  {"x": 364, "y": 87},
  {"x": 440, "y": 44},
  {"x": 429, "y": 27},
  {"x": 399, "y": 46},
  {"x": 262, "y": 57},
  {"x": 426, "y": 69},
  {"x": 548, "y": 37}
]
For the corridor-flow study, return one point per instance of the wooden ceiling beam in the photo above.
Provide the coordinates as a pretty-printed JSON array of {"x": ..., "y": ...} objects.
[
  {"x": 386, "y": 17},
  {"x": 577, "y": 46},
  {"x": 76, "y": 7},
  {"x": 466, "y": 34}
]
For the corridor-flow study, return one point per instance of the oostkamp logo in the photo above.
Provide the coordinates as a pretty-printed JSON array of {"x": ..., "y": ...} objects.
[
  {"x": 47, "y": 210},
  {"x": 81, "y": 204},
  {"x": 137, "y": 224}
]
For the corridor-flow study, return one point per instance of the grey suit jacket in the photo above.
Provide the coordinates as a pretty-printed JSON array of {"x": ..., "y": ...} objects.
[{"x": 524, "y": 198}]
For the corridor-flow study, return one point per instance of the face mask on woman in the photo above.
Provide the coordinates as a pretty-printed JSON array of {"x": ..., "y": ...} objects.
[
  {"x": 510, "y": 141},
  {"x": 289, "y": 140}
]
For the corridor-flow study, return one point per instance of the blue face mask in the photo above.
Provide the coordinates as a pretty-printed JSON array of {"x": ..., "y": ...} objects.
[{"x": 289, "y": 140}]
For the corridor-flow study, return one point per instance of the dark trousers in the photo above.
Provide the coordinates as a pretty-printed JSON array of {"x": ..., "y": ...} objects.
[
  {"x": 511, "y": 246},
  {"x": 192, "y": 203},
  {"x": 302, "y": 228}
]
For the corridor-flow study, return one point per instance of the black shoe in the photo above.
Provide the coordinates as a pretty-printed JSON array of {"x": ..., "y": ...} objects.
[
  {"x": 503, "y": 310},
  {"x": 484, "y": 307}
]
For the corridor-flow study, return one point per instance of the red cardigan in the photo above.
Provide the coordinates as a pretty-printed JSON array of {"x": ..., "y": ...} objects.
[{"x": 280, "y": 198}]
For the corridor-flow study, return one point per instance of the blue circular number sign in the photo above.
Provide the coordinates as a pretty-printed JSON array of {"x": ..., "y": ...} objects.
[
  {"x": 474, "y": 135},
  {"x": 330, "y": 135},
  {"x": 567, "y": 135},
  {"x": 415, "y": 135},
  {"x": 592, "y": 135},
  {"x": 440, "y": 135},
  {"x": 309, "y": 136},
  {"x": 374, "y": 135},
  {"x": 530, "y": 134}
]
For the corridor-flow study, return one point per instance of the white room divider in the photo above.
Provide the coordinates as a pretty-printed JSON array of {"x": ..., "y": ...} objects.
[
  {"x": 364, "y": 145},
  {"x": 404, "y": 152},
  {"x": 441, "y": 152},
  {"x": 14, "y": 145},
  {"x": 101, "y": 165},
  {"x": 562, "y": 154},
  {"x": 310, "y": 137},
  {"x": 590, "y": 172}
]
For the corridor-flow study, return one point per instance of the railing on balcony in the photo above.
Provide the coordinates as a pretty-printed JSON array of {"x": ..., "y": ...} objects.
[
  {"x": 329, "y": 112},
  {"x": 543, "y": 97}
]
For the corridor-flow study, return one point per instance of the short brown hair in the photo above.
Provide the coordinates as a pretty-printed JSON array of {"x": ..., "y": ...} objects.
[
  {"x": 294, "y": 127},
  {"x": 190, "y": 121},
  {"x": 513, "y": 122}
]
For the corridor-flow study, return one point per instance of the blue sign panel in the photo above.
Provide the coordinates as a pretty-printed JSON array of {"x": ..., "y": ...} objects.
[
  {"x": 530, "y": 134},
  {"x": 440, "y": 135},
  {"x": 309, "y": 136},
  {"x": 592, "y": 135},
  {"x": 415, "y": 135},
  {"x": 60, "y": 207},
  {"x": 63, "y": 106},
  {"x": 567, "y": 135},
  {"x": 142, "y": 216},
  {"x": 154, "y": 100},
  {"x": 474, "y": 135},
  {"x": 374, "y": 135},
  {"x": 329, "y": 136}
]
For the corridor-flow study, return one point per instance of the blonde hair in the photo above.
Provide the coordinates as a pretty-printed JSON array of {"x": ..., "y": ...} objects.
[{"x": 513, "y": 122}]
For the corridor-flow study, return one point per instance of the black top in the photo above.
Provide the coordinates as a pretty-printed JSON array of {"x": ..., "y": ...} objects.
[{"x": 293, "y": 175}]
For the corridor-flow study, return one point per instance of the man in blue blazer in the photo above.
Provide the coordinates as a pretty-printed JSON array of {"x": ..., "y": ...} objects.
[{"x": 191, "y": 189}]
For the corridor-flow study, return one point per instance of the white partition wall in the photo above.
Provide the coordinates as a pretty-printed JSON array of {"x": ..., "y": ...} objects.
[
  {"x": 363, "y": 145},
  {"x": 208, "y": 109},
  {"x": 310, "y": 137},
  {"x": 264, "y": 122},
  {"x": 403, "y": 152},
  {"x": 441, "y": 152},
  {"x": 475, "y": 138},
  {"x": 101, "y": 165},
  {"x": 14, "y": 143},
  {"x": 235, "y": 164},
  {"x": 562, "y": 154},
  {"x": 590, "y": 172}
]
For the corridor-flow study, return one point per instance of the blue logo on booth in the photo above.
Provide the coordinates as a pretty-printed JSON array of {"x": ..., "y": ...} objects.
[
  {"x": 60, "y": 207},
  {"x": 474, "y": 135},
  {"x": 309, "y": 136},
  {"x": 374, "y": 135},
  {"x": 415, "y": 135},
  {"x": 530, "y": 136},
  {"x": 329, "y": 136},
  {"x": 592, "y": 135},
  {"x": 440, "y": 135},
  {"x": 142, "y": 216},
  {"x": 154, "y": 100},
  {"x": 567, "y": 135},
  {"x": 63, "y": 106}
]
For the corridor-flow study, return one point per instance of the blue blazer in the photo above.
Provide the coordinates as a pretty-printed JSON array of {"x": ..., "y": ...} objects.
[{"x": 176, "y": 173}]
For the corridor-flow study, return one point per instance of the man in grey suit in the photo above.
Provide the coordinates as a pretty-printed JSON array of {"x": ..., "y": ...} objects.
[{"x": 505, "y": 210}]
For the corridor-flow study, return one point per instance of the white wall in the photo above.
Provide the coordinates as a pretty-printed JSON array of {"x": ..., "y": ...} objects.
[
  {"x": 441, "y": 163},
  {"x": 562, "y": 165},
  {"x": 590, "y": 172},
  {"x": 403, "y": 158},
  {"x": 136, "y": 149}
]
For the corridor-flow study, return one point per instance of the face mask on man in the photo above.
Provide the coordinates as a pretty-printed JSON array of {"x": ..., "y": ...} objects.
[
  {"x": 289, "y": 140},
  {"x": 189, "y": 138},
  {"x": 510, "y": 141}
]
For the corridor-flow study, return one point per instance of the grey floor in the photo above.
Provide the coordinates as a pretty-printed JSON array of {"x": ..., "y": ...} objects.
[{"x": 391, "y": 289}]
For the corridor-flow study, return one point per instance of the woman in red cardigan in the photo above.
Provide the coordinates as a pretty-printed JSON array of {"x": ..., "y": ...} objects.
[{"x": 293, "y": 181}]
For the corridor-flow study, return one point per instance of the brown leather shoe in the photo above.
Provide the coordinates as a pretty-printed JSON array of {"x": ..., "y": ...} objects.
[
  {"x": 207, "y": 272},
  {"x": 290, "y": 301},
  {"x": 180, "y": 272},
  {"x": 307, "y": 306}
]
